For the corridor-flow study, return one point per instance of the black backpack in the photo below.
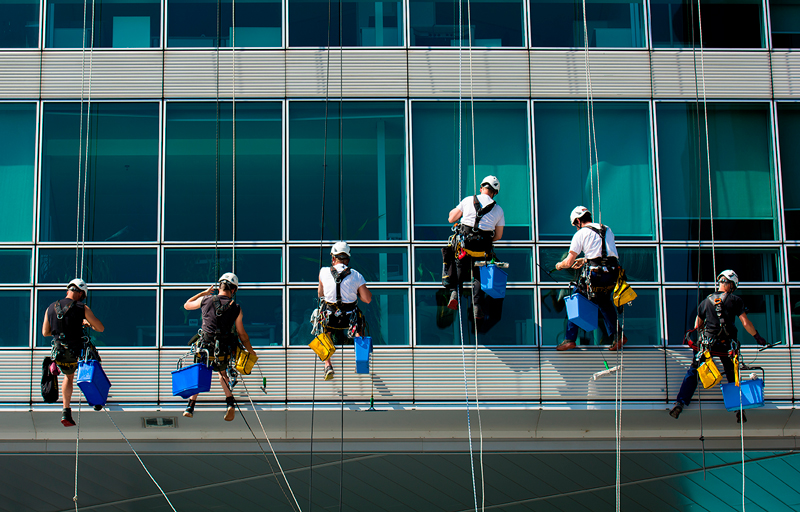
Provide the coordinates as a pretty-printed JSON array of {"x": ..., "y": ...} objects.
[{"x": 49, "y": 382}]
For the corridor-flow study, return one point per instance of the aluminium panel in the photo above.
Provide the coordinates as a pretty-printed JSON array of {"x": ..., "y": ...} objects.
[
  {"x": 786, "y": 74},
  {"x": 125, "y": 74},
  {"x": 20, "y": 76},
  {"x": 202, "y": 73},
  {"x": 367, "y": 73},
  {"x": 22, "y": 371},
  {"x": 679, "y": 74},
  {"x": 133, "y": 375}
]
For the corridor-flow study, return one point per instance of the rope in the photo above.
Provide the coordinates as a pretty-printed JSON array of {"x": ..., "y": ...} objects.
[
  {"x": 741, "y": 437},
  {"x": 592, "y": 134},
  {"x": 233, "y": 142},
  {"x": 466, "y": 397},
  {"x": 88, "y": 125},
  {"x": 341, "y": 437},
  {"x": 708, "y": 154},
  {"x": 217, "y": 152},
  {"x": 77, "y": 444},
  {"x": 618, "y": 412},
  {"x": 140, "y": 460}
]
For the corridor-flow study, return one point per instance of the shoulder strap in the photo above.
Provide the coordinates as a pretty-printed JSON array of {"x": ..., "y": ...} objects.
[
  {"x": 602, "y": 233},
  {"x": 219, "y": 308},
  {"x": 480, "y": 211},
  {"x": 338, "y": 277},
  {"x": 61, "y": 312}
]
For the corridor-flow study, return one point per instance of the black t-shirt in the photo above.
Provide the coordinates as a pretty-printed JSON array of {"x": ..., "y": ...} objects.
[
  {"x": 223, "y": 323},
  {"x": 71, "y": 324},
  {"x": 731, "y": 306}
]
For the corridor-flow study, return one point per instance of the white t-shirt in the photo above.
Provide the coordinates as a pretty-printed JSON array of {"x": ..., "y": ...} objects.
[
  {"x": 589, "y": 242},
  {"x": 349, "y": 286},
  {"x": 496, "y": 217}
]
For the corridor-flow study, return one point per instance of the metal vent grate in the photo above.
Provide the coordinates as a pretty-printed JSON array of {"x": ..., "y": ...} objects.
[{"x": 159, "y": 423}]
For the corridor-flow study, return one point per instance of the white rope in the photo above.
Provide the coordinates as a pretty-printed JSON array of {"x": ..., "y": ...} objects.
[
  {"x": 88, "y": 129},
  {"x": 80, "y": 143},
  {"x": 233, "y": 116},
  {"x": 618, "y": 412},
  {"x": 140, "y": 460},
  {"x": 77, "y": 444},
  {"x": 590, "y": 124},
  {"x": 708, "y": 152},
  {"x": 466, "y": 397},
  {"x": 741, "y": 437}
]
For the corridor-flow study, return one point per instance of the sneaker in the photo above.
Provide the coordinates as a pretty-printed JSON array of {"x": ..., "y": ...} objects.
[
  {"x": 329, "y": 373},
  {"x": 743, "y": 418},
  {"x": 189, "y": 412},
  {"x": 66, "y": 417},
  {"x": 453, "y": 303},
  {"x": 98, "y": 407},
  {"x": 676, "y": 411},
  {"x": 566, "y": 345},
  {"x": 618, "y": 344}
]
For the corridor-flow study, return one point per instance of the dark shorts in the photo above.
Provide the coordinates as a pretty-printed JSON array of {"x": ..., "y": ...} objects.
[
  {"x": 220, "y": 360},
  {"x": 66, "y": 355},
  {"x": 338, "y": 326}
]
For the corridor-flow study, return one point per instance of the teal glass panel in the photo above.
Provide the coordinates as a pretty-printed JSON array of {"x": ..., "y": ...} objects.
[
  {"x": 428, "y": 264},
  {"x": 742, "y": 173},
  {"x": 785, "y": 23},
  {"x": 208, "y": 23},
  {"x": 618, "y": 190},
  {"x": 302, "y": 302},
  {"x": 788, "y": 132},
  {"x": 609, "y": 23},
  {"x": 17, "y": 155},
  {"x": 438, "y": 325},
  {"x": 764, "y": 310},
  {"x": 198, "y": 174},
  {"x": 15, "y": 266},
  {"x": 750, "y": 264},
  {"x": 501, "y": 149},
  {"x": 105, "y": 266},
  {"x": 794, "y": 305},
  {"x": 262, "y": 316},
  {"x": 641, "y": 322},
  {"x": 793, "y": 263},
  {"x": 365, "y": 173},
  {"x": 350, "y": 23},
  {"x": 129, "y": 317},
  {"x": 16, "y": 307},
  {"x": 640, "y": 264},
  {"x": 376, "y": 264},
  {"x": 205, "y": 265},
  {"x": 20, "y": 25},
  {"x": 486, "y": 23},
  {"x": 117, "y": 24},
  {"x": 726, "y": 24},
  {"x": 121, "y": 195}
]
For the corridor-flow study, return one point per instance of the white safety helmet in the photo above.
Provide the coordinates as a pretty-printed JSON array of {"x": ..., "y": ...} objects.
[
  {"x": 340, "y": 248},
  {"x": 79, "y": 284},
  {"x": 729, "y": 275},
  {"x": 230, "y": 278},
  {"x": 492, "y": 182},
  {"x": 577, "y": 213}
]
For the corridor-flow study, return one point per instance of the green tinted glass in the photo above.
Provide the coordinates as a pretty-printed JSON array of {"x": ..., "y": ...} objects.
[
  {"x": 15, "y": 266},
  {"x": 640, "y": 264},
  {"x": 785, "y": 23},
  {"x": 350, "y": 23},
  {"x": 726, "y": 24},
  {"x": 209, "y": 23},
  {"x": 490, "y": 22},
  {"x": 18, "y": 150},
  {"x": 206, "y": 265},
  {"x": 117, "y": 24},
  {"x": 428, "y": 264},
  {"x": 376, "y": 264},
  {"x": 609, "y": 23},
  {"x": 788, "y": 132},
  {"x": 99, "y": 265},
  {"x": 751, "y": 265},
  {"x": 16, "y": 307},
  {"x": 20, "y": 25}
]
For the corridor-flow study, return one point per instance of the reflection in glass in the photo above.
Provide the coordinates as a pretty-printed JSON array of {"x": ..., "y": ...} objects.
[
  {"x": 490, "y": 22},
  {"x": 428, "y": 264},
  {"x": 625, "y": 168},
  {"x": 785, "y": 23},
  {"x": 794, "y": 308},
  {"x": 365, "y": 187},
  {"x": 610, "y": 23},
  {"x": 99, "y": 265},
  {"x": 117, "y": 24},
  {"x": 122, "y": 156},
  {"x": 376, "y": 264},
  {"x": 501, "y": 149},
  {"x": 640, "y": 264},
  {"x": 18, "y": 150},
  {"x": 20, "y": 25},
  {"x": 363, "y": 23},
  {"x": 205, "y": 265},
  {"x": 207, "y": 23},
  {"x": 751, "y": 265},
  {"x": 198, "y": 183},
  {"x": 788, "y": 131},
  {"x": 726, "y": 23},
  {"x": 15, "y": 266},
  {"x": 16, "y": 307},
  {"x": 742, "y": 173}
]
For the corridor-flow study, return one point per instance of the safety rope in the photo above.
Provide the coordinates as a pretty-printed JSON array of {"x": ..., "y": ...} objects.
[
  {"x": 466, "y": 397},
  {"x": 591, "y": 130},
  {"x": 217, "y": 147},
  {"x": 77, "y": 445},
  {"x": 741, "y": 438},
  {"x": 233, "y": 130},
  {"x": 708, "y": 154},
  {"x": 618, "y": 409},
  {"x": 88, "y": 130}
]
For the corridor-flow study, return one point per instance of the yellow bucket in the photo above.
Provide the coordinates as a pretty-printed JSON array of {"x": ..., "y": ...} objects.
[
  {"x": 709, "y": 373},
  {"x": 245, "y": 361},
  {"x": 323, "y": 346}
]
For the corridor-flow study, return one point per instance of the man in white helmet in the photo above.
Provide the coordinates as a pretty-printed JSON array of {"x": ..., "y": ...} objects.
[
  {"x": 64, "y": 320},
  {"x": 222, "y": 329},
  {"x": 481, "y": 224},
  {"x": 339, "y": 289},
  {"x": 716, "y": 326},
  {"x": 601, "y": 269}
]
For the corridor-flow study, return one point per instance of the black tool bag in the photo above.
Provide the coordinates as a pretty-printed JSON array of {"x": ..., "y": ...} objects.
[{"x": 49, "y": 382}]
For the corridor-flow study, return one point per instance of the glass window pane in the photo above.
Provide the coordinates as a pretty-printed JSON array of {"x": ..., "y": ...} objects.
[
  {"x": 15, "y": 266},
  {"x": 764, "y": 310},
  {"x": 625, "y": 168},
  {"x": 726, "y": 23},
  {"x": 117, "y": 24},
  {"x": 99, "y": 265},
  {"x": 793, "y": 264},
  {"x": 207, "y": 23},
  {"x": 493, "y": 23},
  {"x": 198, "y": 183},
  {"x": 376, "y": 264},
  {"x": 16, "y": 307},
  {"x": 20, "y": 26},
  {"x": 785, "y": 23},
  {"x": 742, "y": 174},
  {"x": 428, "y": 264},
  {"x": 129, "y": 317},
  {"x": 609, "y": 23},
  {"x": 640, "y": 264},
  {"x": 122, "y": 156},
  {"x": 751, "y": 265},
  {"x": 388, "y": 317},
  {"x": 205, "y": 266},
  {"x": 18, "y": 150},
  {"x": 501, "y": 149},
  {"x": 437, "y": 325},
  {"x": 370, "y": 175},
  {"x": 788, "y": 132},
  {"x": 302, "y": 302},
  {"x": 262, "y": 314},
  {"x": 363, "y": 23},
  {"x": 642, "y": 324},
  {"x": 794, "y": 305}
]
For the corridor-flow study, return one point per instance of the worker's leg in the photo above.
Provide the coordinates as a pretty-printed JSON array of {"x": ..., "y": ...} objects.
[
  {"x": 688, "y": 386},
  {"x": 66, "y": 389}
]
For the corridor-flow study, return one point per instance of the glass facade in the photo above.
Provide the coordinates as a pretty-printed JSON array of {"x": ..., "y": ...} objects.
[
  {"x": 353, "y": 23},
  {"x": 209, "y": 23},
  {"x": 609, "y": 23},
  {"x": 726, "y": 24},
  {"x": 116, "y": 23}
]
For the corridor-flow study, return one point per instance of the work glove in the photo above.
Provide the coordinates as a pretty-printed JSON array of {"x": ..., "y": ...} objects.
[
  {"x": 759, "y": 339},
  {"x": 314, "y": 316}
]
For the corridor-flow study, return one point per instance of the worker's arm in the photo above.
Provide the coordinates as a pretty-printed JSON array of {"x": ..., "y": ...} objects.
[
  {"x": 698, "y": 323},
  {"x": 455, "y": 214},
  {"x": 571, "y": 261},
  {"x": 498, "y": 233},
  {"x": 92, "y": 321},
  {"x": 196, "y": 301},
  {"x": 46, "y": 326},
  {"x": 243, "y": 337},
  {"x": 364, "y": 294},
  {"x": 320, "y": 289}
]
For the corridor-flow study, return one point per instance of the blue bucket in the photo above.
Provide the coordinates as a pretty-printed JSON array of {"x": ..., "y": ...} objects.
[
  {"x": 191, "y": 380},
  {"x": 93, "y": 382},
  {"x": 363, "y": 346},
  {"x": 752, "y": 394},
  {"x": 581, "y": 312},
  {"x": 493, "y": 281}
]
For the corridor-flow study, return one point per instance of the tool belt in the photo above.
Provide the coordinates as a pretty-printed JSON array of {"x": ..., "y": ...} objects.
[
  {"x": 220, "y": 348},
  {"x": 345, "y": 317},
  {"x": 476, "y": 241}
]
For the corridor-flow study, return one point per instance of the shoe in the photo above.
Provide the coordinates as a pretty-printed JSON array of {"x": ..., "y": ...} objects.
[
  {"x": 676, "y": 411},
  {"x": 189, "y": 412},
  {"x": 453, "y": 303},
  {"x": 617, "y": 344},
  {"x": 98, "y": 407},
  {"x": 231, "y": 412},
  {"x": 743, "y": 419},
  {"x": 66, "y": 417},
  {"x": 329, "y": 373},
  {"x": 566, "y": 345}
]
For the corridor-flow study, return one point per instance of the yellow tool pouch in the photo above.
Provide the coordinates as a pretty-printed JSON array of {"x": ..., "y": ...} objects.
[
  {"x": 245, "y": 361},
  {"x": 708, "y": 372},
  {"x": 475, "y": 254},
  {"x": 323, "y": 346},
  {"x": 623, "y": 293}
]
